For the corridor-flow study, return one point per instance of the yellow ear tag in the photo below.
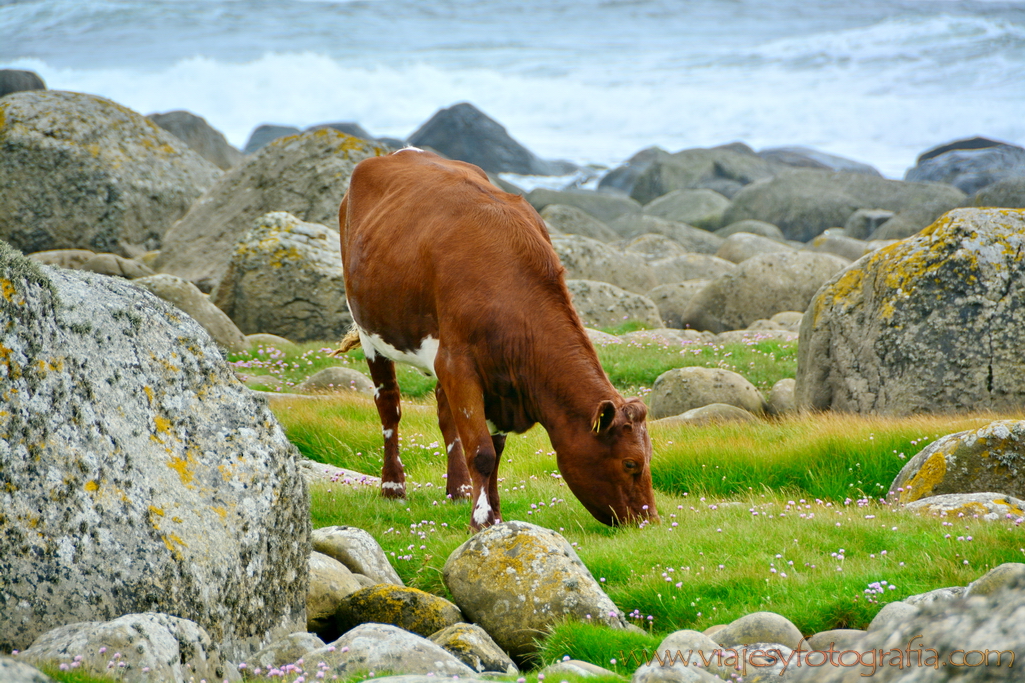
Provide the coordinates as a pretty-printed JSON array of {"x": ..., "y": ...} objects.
[{"x": 597, "y": 425}]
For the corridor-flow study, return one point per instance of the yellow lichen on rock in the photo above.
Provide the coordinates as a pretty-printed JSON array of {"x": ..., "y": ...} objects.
[{"x": 926, "y": 479}]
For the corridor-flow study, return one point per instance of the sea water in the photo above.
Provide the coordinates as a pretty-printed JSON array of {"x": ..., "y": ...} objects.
[{"x": 586, "y": 80}]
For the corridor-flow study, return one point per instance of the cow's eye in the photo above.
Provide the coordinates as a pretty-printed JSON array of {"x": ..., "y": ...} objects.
[{"x": 630, "y": 465}]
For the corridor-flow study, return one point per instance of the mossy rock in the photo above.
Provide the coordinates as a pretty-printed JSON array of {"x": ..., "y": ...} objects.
[{"x": 410, "y": 609}]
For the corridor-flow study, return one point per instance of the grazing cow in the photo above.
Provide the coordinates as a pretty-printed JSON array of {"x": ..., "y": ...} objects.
[{"x": 447, "y": 273}]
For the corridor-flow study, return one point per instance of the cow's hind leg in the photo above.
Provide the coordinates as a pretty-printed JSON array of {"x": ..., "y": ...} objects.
[
  {"x": 458, "y": 485},
  {"x": 386, "y": 396},
  {"x": 499, "y": 442}
]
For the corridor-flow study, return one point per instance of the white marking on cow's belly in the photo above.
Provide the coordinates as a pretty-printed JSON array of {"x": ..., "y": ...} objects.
[
  {"x": 392, "y": 485},
  {"x": 480, "y": 512},
  {"x": 493, "y": 430},
  {"x": 422, "y": 358}
]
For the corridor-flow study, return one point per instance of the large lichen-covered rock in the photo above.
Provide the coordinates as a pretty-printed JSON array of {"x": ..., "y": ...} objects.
[
  {"x": 136, "y": 473},
  {"x": 79, "y": 171},
  {"x": 516, "y": 579},
  {"x": 588, "y": 259},
  {"x": 306, "y": 175},
  {"x": 285, "y": 278},
  {"x": 411, "y": 609},
  {"x": 930, "y": 324},
  {"x": 168, "y": 648},
  {"x": 760, "y": 287},
  {"x": 681, "y": 389},
  {"x": 987, "y": 506},
  {"x": 986, "y": 460},
  {"x": 803, "y": 203},
  {"x": 600, "y": 304}
]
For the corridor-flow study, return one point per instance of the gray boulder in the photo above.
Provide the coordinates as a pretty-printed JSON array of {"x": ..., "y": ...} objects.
[
  {"x": 788, "y": 320},
  {"x": 988, "y": 459},
  {"x": 711, "y": 414},
  {"x": 200, "y": 136},
  {"x": 931, "y": 324},
  {"x": 124, "y": 412},
  {"x": 676, "y": 673},
  {"x": 759, "y": 627},
  {"x": 622, "y": 178},
  {"x": 806, "y": 157},
  {"x": 681, "y": 389},
  {"x": 781, "y": 399},
  {"x": 13, "y": 671},
  {"x": 287, "y": 650},
  {"x": 83, "y": 259},
  {"x": 465, "y": 133},
  {"x": 753, "y": 227},
  {"x": 265, "y": 134},
  {"x": 370, "y": 648},
  {"x": 698, "y": 168},
  {"x": 804, "y": 203},
  {"x": 652, "y": 246},
  {"x": 839, "y": 639},
  {"x": 1007, "y": 193},
  {"x": 337, "y": 379},
  {"x": 79, "y": 171},
  {"x": 740, "y": 246},
  {"x": 72, "y": 259},
  {"x": 760, "y": 287},
  {"x": 701, "y": 208},
  {"x": 588, "y": 259},
  {"x": 187, "y": 297},
  {"x": 939, "y": 594},
  {"x": 285, "y": 278},
  {"x": 331, "y": 583},
  {"x": 515, "y": 580},
  {"x": 168, "y": 648},
  {"x": 684, "y": 267},
  {"x": 969, "y": 165},
  {"x": 976, "y": 630},
  {"x": 693, "y": 239},
  {"x": 600, "y": 304},
  {"x": 474, "y": 647},
  {"x": 1006, "y": 575},
  {"x": 305, "y": 175},
  {"x": 570, "y": 219},
  {"x": 696, "y": 649},
  {"x": 605, "y": 207},
  {"x": 357, "y": 550},
  {"x": 864, "y": 223},
  {"x": 835, "y": 242},
  {"x": 672, "y": 300},
  {"x": 17, "y": 80},
  {"x": 987, "y": 506}
]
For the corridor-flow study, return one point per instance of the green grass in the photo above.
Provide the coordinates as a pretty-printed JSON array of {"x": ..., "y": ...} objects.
[{"x": 719, "y": 547}]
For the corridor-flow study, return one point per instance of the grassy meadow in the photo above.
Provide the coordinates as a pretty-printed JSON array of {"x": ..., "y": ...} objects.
[{"x": 783, "y": 515}]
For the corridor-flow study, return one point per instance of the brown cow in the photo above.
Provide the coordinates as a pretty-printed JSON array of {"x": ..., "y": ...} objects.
[{"x": 449, "y": 274}]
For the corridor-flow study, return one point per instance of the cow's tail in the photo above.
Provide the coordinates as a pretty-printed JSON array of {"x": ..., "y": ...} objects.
[{"x": 349, "y": 342}]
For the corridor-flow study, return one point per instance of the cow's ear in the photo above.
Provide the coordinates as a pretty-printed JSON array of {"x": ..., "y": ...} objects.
[
  {"x": 603, "y": 417},
  {"x": 635, "y": 411}
]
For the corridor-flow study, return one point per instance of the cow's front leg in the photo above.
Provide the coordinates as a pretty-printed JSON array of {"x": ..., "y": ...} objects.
[
  {"x": 386, "y": 396},
  {"x": 458, "y": 485},
  {"x": 458, "y": 380}
]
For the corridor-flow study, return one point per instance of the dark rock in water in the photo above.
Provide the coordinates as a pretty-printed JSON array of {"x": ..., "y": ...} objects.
[
  {"x": 199, "y": 135},
  {"x": 977, "y": 142},
  {"x": 349, "y": 128},
  {"x": 970, "y": 169},
  {"x": 80, "y": 171},
  {"x": 267, "y": 133},
  {"x": 465, "y": 133},
  {"x": 806, "y": 157},
  {"x": 15, "y": 80},
  {"x": 136, "y": 473},
  {"x": 804, "y": 203},
  {"x": 931, "y": 324}
]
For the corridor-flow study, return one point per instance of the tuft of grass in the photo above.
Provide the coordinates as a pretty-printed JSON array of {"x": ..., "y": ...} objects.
[
  {"x": 597, "y": 644},
  {"x": 625, "y": 327}
]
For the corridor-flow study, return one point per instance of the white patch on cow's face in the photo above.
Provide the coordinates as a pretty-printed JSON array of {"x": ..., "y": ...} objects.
[
  {"x": 482, "y": 509},
  {"x": 387, "y": 433},
  {"x": 421, "y": 358},
  {"x": 493, "y": 430}
]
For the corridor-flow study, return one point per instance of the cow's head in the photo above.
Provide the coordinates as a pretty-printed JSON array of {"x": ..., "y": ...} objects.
[{"x": 607, "y": 464}]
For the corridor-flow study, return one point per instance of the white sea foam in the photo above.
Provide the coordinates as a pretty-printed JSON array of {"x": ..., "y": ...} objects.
[{"x": 880, "y": 92}]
